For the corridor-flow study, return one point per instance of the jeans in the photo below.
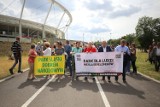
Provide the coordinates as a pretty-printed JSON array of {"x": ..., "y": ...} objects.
[
  {"x": 124, "y": 72},
  {"x": 127, "y": 68},
  {"x": 134, "y": 66},
  {"x": 17, "y": 59},
  {"x": 157, "y": 63},
  {"x": 69, "y": 65}
]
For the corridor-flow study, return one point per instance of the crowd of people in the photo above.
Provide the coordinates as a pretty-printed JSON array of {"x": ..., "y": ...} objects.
[{"x": 58, "y": 48}]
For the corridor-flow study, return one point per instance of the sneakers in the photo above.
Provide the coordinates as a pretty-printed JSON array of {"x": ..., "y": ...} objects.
[{"x": 11, "y": 71}]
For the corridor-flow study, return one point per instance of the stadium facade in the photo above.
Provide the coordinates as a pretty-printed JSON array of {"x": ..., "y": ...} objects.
[{"x": 11, "y": 27}]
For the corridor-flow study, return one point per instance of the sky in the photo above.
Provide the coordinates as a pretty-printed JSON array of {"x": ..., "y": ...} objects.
[{"x": 94, "y": 19}]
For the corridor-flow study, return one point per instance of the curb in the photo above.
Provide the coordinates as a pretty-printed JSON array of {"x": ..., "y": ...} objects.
[
  {"x": 157, "y": 81},
  {"x": 9, "y": 77}
]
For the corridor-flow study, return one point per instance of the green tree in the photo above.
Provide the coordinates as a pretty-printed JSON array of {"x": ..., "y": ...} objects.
[{"x": 147, "y": 30}]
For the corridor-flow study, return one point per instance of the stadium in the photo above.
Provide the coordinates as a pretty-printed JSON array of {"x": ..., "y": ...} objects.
[{"x": 43, "y": 19}]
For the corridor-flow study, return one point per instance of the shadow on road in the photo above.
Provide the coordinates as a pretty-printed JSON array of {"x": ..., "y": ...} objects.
[
  {"x": 122, "y": 89},
  {"x": 37, "y": 84},
  {"x": 138, "y": 77},
  {"x": 80, "y": 85},
  {"x": 59, "y": 83}
]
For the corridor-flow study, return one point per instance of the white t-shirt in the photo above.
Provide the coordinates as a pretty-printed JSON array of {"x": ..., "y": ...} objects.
[
  {"x": 158, "y": 52},
  {"x": 47, "y": 52},
  {"x": 104, "y": 49}
]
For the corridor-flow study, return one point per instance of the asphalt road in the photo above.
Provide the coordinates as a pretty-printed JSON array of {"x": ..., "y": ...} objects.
[{"x": 138, "y": 92}]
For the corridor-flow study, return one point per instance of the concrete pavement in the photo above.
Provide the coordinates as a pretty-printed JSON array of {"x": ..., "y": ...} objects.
[{"x": 138, "y": 92}]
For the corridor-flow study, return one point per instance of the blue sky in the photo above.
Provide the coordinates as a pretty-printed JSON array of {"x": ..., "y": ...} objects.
[{"x": 96, "y": 19}]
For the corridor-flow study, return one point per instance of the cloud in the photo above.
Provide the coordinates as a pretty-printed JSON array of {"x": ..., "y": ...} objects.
[
  {"x": 128, "y": 11},
  {"x": 95, "y": 5},
  {"x": 99, "y": 30}
]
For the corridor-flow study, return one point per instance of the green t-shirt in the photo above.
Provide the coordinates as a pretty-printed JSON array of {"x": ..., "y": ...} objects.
[{"x": 76, "y": 50}]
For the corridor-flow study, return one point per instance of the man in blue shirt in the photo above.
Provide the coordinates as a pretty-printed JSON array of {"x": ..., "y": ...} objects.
[
  {"x": 126, "y": 57},
  {"x": 68, "y": 50}
]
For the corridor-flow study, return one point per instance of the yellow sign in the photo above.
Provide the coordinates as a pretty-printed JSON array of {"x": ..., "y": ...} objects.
[{"x": 48, "y": 65}]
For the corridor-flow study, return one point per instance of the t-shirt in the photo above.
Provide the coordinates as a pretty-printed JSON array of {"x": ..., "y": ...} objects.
[
  {"x": 59, "y": 51},
  {"x": 34, "y": 53},
  {"x": 92, "y": 49},
  {"x": 47, "y": 52},
  {"x": 76, "y": 50}
]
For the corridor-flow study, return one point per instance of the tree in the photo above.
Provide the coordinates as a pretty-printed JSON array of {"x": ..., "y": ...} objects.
[{"x": 147, "y": 30}]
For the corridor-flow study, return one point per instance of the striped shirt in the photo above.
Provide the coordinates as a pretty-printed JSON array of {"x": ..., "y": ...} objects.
[{"x": 16, "y": 48}]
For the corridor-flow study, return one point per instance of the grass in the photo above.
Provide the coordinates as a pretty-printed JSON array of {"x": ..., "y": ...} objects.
[
  {"x": 145, "y": 67},
  {"x": 6, "y": 64}
]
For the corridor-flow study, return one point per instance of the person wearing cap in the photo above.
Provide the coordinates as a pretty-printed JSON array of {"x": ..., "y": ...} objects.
[
  {"x": 126, "y": 56},
  {"x": 16, "y": 49}
]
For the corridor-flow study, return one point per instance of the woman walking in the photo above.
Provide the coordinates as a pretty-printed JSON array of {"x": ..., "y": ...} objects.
[{"x": 133, "y": 58}]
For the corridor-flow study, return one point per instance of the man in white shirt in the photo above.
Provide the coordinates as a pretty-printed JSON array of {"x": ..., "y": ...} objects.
[{"x": 125, "y": 50}]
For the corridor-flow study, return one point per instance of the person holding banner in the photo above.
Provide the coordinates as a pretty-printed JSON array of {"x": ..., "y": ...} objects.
[
  {"x": 75, "y": 50},
  {"x": 105, "y": 48},
  {"x": 47, "y": 52},
  {"x": 90, "y": 49},
  {"x": 126, "y": 57},
  {"x": 59, "y": 51},
  {"x": 32, "y": 54}
]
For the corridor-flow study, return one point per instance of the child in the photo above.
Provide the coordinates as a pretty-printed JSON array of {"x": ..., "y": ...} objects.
[{"x": 32, "y": 54}]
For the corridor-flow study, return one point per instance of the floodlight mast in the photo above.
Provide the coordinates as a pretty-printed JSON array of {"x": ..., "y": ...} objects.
[{"x": 20, "y": 24}]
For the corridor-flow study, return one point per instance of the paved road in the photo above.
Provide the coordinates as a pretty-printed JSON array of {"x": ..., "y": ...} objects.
[{"x": 138, "y": 92}]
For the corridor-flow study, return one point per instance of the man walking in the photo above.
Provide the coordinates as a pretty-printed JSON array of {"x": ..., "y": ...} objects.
[
  {"x": 16, "y": 49},
  {"x": 126, "y": 57},
  {"x": 105, "y": 48}
]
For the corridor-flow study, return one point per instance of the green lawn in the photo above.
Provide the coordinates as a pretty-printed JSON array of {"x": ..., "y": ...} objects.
[
  {"x": 6, "y": 64},
  {"x": 145, "y": 67}
]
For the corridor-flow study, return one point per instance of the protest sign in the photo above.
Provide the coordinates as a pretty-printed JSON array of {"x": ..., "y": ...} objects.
[
  {"x": 102, "y": 63},
  {"x": 48, "y": 65}
]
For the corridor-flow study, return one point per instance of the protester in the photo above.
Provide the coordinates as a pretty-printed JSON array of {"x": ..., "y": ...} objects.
[
  {"x": 156, "y": 53},
  {"x": 53, "y": 48},
  {"x": 129, "y": 61},
  {"x": 126, "y": 53},
  {"x": 85, "y": 47},
  {"x": 105, "y": 48},
  {"x": 150, "y": 51},
  {"x": 133, "y": 58},
  {"x": 75, "y": 50},
  {"x": 90, "y": 49},
  {"x": 16, "y": 49},
  {"x": 68, "y": 49},
  {"x": 59, "y": 51},
  {"x": 32, "y": 54},
  {"x": 43, "y": 45},
  {"x": 153, "y": 55},
  {"x": 47, "y": 52},
  {"x": 38, "y": 48}
]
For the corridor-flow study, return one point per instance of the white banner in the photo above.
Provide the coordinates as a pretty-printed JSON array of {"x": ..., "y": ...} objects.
[{"x": 102, "y": 63}]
